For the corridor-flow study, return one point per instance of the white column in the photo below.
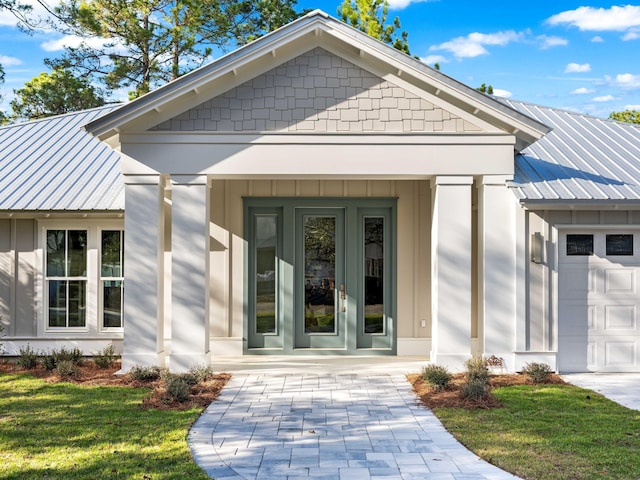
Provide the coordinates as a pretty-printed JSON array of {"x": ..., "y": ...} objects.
[
  {"x": 497, "y": 268},
  {"x": 451, "y": 274},
  {"x": 143, "y": 260},
  {"x": 190, "y": 272}
]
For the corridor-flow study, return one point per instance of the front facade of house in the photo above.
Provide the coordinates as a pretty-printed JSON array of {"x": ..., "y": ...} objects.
[{"x": 319, "y": 193}]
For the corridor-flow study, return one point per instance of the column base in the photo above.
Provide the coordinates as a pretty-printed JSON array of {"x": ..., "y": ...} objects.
[
  {"x": 454, "y": 362},
  {"x": 183, "y": 362}
]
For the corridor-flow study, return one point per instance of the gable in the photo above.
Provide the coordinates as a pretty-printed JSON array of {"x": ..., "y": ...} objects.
[{"x": 320, "y": 92}]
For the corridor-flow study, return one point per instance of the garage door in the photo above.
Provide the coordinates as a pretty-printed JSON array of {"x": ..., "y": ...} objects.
[{"x": 598, "y": 301}]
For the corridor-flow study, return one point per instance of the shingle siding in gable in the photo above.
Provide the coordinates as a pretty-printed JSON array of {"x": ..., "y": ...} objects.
[{"x": 318, "y": 92}]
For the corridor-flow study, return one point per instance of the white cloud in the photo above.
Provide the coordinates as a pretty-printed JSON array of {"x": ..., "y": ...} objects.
[
  {"x": 604, "y": 98},
  {"x": 73, "y": 41},
  {"x": 547, "y": 41},
  {"x": 577, "y": 68},
  {"x": 631, "y": 35},
  {"x": 581, "y": 91},
  {"x": 626, "y": 80},
  {"x": 400, "y": 4},
  {"x": 597, "y": 39},
  {"x": 599, "y": 19},
  {"x": 431, "y": 59},
  {"x": 473, "y": 44},
  {"x": 632, "y": 107},
  {"x": 7, "y": 61},
  {"x": 37, "y": 12},
  {"x": 498, "y": 92}
]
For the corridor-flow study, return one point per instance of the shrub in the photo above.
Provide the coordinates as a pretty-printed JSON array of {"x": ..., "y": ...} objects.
[
  {"x": 145, "y": 374},
  {"x": 1, "y": 330},
  {"x": 178, "y": 385},
  {"x": 538, "y": 372},
  {"x": 49, "y": 361},
  {"x": 106, "y": 357},
  {"x": 67, "y": 368},
  {"x": 477, "y": 370},
  {"x": 437, "y": 376},
  {"x": 27, "y": 357},
  {"x": 201, "y": 372},
  {"x": 74, "y": 355},
  {"x": 474, "y": 389}
]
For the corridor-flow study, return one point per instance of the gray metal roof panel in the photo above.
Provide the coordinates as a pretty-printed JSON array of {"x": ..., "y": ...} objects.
[
  {"x": 54, "y": 164},
  {"x": 583, "y": 158}
]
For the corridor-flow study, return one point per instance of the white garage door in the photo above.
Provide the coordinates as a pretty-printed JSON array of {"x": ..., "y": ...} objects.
[{"x": 599, "y": 301}]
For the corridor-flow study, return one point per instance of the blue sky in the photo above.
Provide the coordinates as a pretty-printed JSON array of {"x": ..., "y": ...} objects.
[{"x": 575, "y": 55}]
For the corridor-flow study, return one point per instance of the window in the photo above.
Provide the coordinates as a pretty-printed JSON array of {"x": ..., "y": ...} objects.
[
  {"x": 66, "y": 277},
  {"x": 579, "y": 244},
  {"x": 619, "y": 244},
  {"x": 112, "y": 277}
]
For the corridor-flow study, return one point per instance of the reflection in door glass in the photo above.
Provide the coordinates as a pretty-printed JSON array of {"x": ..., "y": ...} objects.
[
  {"x": 374, "y": 275},
  {"x": 319, "y": 274},
  {"x": 266, "y": 257}
]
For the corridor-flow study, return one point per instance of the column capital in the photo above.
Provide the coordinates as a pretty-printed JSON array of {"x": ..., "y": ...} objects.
[
  {"x": 500, "y": 180},
  {"x": 152, "y": 179},
  {"x": 189, "y": 179},
  {"x": 451, "y": 180}
]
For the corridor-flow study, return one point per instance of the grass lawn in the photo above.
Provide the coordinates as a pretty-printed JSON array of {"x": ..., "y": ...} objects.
[
  {"x": 551, "y": 432},
  {"x": 59, "y": 431}
]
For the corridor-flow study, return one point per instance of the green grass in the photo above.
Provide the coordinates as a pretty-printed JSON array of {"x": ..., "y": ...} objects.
[
  {"x": 548, "y": 432},
  {"x": 65, "y": 431}
]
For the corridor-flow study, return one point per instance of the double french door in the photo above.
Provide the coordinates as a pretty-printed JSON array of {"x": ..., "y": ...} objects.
[{"x": 320, "y": 276}]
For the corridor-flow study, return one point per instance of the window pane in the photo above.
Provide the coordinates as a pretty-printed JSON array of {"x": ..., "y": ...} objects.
[
  {"x": 77, "y": 303},
  {"x": 112, "y": 303},
  {"x": 620, "y": 244},
  {"x": 57, "y": 303},
  {"x": 373, "y": 275},
  {"x": 56, "y": 242},
  {"x": 266, "y": 258},
  {"x": 77, "y": 255},
  {"x": 320, "y": 274},
  {"x": 579, "y": 244},
  {"x": 111, "y": 254}
]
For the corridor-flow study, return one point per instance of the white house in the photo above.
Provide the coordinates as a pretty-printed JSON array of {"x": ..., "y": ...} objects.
[{"x": 317, "y": 192}]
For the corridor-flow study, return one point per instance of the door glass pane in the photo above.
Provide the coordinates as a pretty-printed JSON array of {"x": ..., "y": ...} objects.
[
  {"x": 319, "y": 274},
  {"x": 57, "y": 303},
  {"x": 112, "y": 308},
  {"x": 77, "y": 255},
  {"x": 56, "y": 241},
  {"x": 266, "y": 229},
  {"x": 373, "y": 275}
]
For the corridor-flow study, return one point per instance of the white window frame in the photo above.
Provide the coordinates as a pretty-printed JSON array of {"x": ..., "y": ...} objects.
[{"x": 93, "y": 313}]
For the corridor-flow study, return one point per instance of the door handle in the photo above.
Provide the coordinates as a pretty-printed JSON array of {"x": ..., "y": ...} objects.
[{"x": 343, "y": 296}]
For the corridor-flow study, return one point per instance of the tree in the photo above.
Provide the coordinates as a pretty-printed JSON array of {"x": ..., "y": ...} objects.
[
  {"x": 54, "y": 94},
  {"x": 149, "y": 42},
  {"x": 628, "y": 116},
  {"x": 484, "y": 88},
  {"x": 370, "y": 17}
]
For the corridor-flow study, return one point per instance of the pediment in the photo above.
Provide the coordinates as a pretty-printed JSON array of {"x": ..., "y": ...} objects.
[{"x": 321, "y": 92}]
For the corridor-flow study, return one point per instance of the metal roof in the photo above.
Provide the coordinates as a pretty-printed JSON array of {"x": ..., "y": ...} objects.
[
  {"x": 583, "y": 160},
  {"x": 54, "y": 164}
]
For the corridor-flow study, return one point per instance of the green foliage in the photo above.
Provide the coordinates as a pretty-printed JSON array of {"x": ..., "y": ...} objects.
[
  {"x": 628, "y": 116},
  {"x": 74, "y": 432},
  {"x": 538, "y": 372},
  {"x": 437, "y": 376},
  {"x": 149, "y": 42},
  {"x": 145, "y": 374},
  {"x": 475, "y": 389},
  {"x": 54, "y": 94},
  {"x": 202, "y": 373},
  {"x": 551, "y": 432},
  {"x": 49, "y": 362},
  {"x": 55, "y": 357},
  {"x": 477, "y": 369},
  {"x": 106, "y": 357},
  {"x": 27, "y": 357},
  {"x": 178, "y": 385},
  {"x": 66, "y": 368},
  {"x": 370, "y": 17},
  {"x": 484, "y": 88},
  {"x": 1, "y": 326}
]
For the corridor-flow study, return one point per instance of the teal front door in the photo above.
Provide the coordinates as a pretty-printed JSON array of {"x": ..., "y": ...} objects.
[{"x": 321, "y": 276}]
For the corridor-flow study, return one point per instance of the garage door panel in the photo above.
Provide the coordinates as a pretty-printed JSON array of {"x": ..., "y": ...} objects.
[
  {"x": 620, "y": 317},
  {"x": 579, "y": 281},
  {"x": 580, "y": 317},
  {"x": 619, "y": 281},
  {"x": 620, "y": 354}
]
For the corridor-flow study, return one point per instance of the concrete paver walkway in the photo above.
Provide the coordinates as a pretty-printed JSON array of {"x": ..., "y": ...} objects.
[{"x": 344, "y": 425}]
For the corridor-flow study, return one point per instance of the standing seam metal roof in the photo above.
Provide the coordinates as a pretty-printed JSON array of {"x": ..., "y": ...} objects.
[
  {"x": 583, "y": 158},
  {"x": 54, "y": 164}
]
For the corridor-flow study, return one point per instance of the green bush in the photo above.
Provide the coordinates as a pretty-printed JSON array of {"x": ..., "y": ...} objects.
[
  {"x": 27, "y": 357},
  {"x": 538, "y": 372},
  {"x": 67, "y": 368},
  {"x": 106, "y": 357},
  {"x": 477, "y": 369},
  {"x": 145, "y": 374},
  {"x": 201, "y": 372},
  {"x": 437, "y": 376},
  {"x": 74, "y": 355},
  {"x": 178, "y": 385},
  {"x": 49, "y": 361},
  {"x": 474, "y": 389}
]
